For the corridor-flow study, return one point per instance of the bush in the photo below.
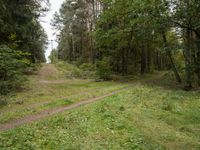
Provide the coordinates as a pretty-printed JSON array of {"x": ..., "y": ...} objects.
[
  {"x": 12, "y": 65},
  {"x": 83, "y": 72},
  {"x": 88, "y": 70},
  {"x": 32, "y": 69},
  {"x": 76, "y": 73},
  {"x": 87, "y": 67},
  {"x": 103, "y": 70},
  {"x": 3, "y": 101}
]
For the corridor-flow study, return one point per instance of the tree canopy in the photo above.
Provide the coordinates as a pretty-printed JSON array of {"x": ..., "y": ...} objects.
[
  {"x": 137, "y": 36},
  {"x": 22, "y": 39}
]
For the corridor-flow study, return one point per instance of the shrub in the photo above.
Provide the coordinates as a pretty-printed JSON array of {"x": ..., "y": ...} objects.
[
  {"x": 103, "y": 70},
  {"x": 3, "y": 101},
  {"x": 87, "y": 67},
  {"x": 12, "y": 65},
  {"x": 83, "y": 72},
  {"x": 76, "y": 73},
  {"x": 32, "y": 69}
]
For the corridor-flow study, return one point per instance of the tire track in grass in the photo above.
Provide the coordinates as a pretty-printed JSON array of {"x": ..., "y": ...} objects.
[
  {"x": 47, "y": 113},
  {"x": 70, "y": 96},
  {"x": 55, "y": 104},
  {"x": 73, "y": 95}
]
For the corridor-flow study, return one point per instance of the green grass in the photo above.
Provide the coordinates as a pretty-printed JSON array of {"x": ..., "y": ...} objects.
[
  {"x": 50, "y": 85},
  {"x": 8, "y": 115},
  {"x": 149, "y": 116},
  {"x": 143, "y": 117}
]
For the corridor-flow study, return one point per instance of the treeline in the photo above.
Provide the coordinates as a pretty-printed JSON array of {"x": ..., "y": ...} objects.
[
  {"x": 22, "y": 40},
  {"x": 77, "y": 21},
  {"x": 133, "y": 36}
]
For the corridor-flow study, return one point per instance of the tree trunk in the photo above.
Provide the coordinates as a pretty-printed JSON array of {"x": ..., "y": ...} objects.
[
  {"x": 143, "y": 59},
  {"x": 148, "y": 58},
  {"x": 198, "y": 60},
  {"x": 188, "y": 70},
  {"x": 171, "y": 59},
  {"x": 124, "y": 62},
  {"x": 126, "y": 58}
]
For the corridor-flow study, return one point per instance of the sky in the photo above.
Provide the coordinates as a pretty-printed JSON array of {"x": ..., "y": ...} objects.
[{"x": 45, "y": 22}]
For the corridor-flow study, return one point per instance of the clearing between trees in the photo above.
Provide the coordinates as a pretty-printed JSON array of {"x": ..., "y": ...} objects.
[{"x": 139, "y": 114}]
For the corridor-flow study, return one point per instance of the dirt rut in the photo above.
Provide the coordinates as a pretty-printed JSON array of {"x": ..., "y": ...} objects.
[{"x": 46, "y": 113}]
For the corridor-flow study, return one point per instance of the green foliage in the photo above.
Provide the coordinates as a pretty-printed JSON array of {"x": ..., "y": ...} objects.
[
  {"x": 19, "y": 21},
  {"x": 103, "y": 69},
  {"x": 76, "y": 73},
  {"x": 25, "y": 38},
  {"x": 87, "y": 67},
  {"x": 74, "y": 41},
  {"x": 12, "y": 65},
  {"x": 3, "y": 101},
  {"x": 53, "y": 57},
  {"x": 84, "y": 71}
]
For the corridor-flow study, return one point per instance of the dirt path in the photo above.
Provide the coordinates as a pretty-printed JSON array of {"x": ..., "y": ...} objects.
[
  {"x": 49, "y": 74},
  {"x": 37, "y": 104},
  {"x": 47, "y": 71},
  {"x": 46, "y": 113}
]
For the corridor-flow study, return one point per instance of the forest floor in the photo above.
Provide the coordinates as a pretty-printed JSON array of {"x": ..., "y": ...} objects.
[{"x": 54, "y": 112}]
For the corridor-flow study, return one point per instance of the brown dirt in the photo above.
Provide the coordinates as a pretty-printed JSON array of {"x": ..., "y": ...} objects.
[
  {"x": 46, "y": 113},
  {"x": 48, "y": 71}
]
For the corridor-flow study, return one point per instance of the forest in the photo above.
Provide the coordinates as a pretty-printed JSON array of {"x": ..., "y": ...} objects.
[
  {"x": 125, "y": 75},
  {"x": 22, "y": 41},
  {"x": 132, "y": 36}
]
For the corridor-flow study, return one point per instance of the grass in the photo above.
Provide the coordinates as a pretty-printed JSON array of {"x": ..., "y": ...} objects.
[
  {"x": 8, "y": 115},
  {"x": 145, "y": 117},
  {"x": 45, "y": 91}
]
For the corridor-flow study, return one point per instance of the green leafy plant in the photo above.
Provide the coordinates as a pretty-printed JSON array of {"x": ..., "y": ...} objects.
[
  {"x": 103, "y": 70},
  {"x": 12, "y": 65}
]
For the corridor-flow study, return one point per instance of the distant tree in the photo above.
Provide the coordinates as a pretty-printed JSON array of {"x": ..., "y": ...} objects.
[
  {"x": 22, "y": 19},
  {"x": 186, "y": 17},
  {"x": 76, "y": 21},
  {"x": 53, "y": 57},
  {"x": 136, "y": 36},
  {"x": 22, "y": 40}
]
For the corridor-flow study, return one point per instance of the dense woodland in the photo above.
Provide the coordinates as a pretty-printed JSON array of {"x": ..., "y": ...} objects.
[
  {"x": 22, "y": 40},
  {"x": 132, "y": 36}
]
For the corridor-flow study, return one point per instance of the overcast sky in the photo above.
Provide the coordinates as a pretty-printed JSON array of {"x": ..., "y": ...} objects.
[{"x": 55, "y": 6}]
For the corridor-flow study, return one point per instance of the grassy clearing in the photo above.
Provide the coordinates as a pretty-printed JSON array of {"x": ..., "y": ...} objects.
[
  {"x": 8, "y": 115},
  {"x": 143, "y": 117},
  {"x": 50, "y": 89},
  {"x": 148, "y": 116}
]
